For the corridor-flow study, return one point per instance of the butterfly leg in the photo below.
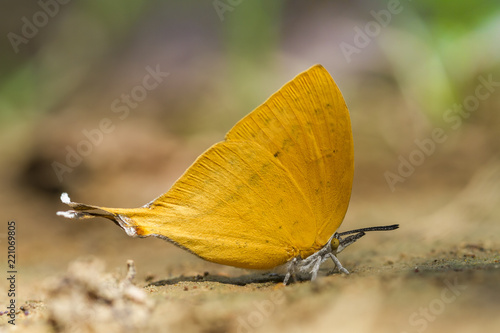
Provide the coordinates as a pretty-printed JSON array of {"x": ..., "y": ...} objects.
[
  {"x": 315, "y": 269},
  {"x": 306, "y": 264},
  {"x": 292, "y": 265},
  {"x": 338, "y": 264}
]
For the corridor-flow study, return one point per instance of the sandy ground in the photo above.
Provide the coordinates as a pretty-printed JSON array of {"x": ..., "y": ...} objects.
[{"x": 452, "y": 288}]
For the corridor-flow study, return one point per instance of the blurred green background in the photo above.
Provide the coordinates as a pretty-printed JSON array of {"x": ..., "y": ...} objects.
[{"x": 402, "y": 66}]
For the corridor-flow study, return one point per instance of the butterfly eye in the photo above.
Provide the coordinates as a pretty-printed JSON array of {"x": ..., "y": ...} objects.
[{"x": 335, "y": 244}]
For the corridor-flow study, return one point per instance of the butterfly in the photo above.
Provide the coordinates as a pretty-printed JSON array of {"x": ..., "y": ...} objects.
[{"x": 274, "y": 192}]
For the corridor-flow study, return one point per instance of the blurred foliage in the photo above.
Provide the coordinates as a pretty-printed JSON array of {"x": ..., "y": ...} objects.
[
  {"x": 251, "y": 36},
  {"x": 435, "y": 49},
  {"x": 61, "y": 53},
  {"x": 438, "y": 48},
  {"x": 457, "y": 17},
  {"x": 17, "y": 93}
]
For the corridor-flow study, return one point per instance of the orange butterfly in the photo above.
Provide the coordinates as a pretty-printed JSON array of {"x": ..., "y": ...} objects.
[{"x": 275, "y": 191}]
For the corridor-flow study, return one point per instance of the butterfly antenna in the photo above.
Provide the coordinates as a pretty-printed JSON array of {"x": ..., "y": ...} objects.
[
  {"x": 381, "y": 228},
  {"x": 351, "y": 239},
  {"x": 358, "y": 233}
]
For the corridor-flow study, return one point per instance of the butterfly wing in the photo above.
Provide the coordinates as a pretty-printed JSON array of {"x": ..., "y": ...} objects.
[{"x": 277, "y": 187}]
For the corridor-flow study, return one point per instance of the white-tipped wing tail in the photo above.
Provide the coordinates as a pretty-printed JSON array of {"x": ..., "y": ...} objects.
[
  {"x": 80, "y": 211},
  {"x": 70, "y": 214},
  {"x": 65, "y": 198},
  {"x": 122, "y": 217}
]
